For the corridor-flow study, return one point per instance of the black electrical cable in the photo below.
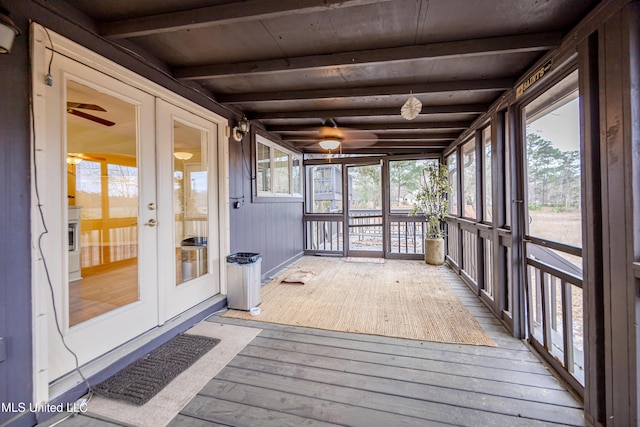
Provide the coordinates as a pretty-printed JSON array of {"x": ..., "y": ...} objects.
[
  {"x": 44, "y": 226},
  {"x": 244, "y": 166}
]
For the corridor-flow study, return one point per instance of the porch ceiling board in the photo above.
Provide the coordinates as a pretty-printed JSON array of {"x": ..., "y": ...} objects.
[
  {"x": 364, "y": 112},
  {"x": 222, "y": 14},
  {"x": 371, "y": 91},
  {"x": 458, "y": 49}
]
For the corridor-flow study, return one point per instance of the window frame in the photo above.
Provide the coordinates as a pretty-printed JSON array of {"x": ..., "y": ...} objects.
[{"x": 272, "y": 195}]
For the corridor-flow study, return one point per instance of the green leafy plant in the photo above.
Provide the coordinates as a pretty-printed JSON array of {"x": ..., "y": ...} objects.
[{"x": 432, "y": 200}]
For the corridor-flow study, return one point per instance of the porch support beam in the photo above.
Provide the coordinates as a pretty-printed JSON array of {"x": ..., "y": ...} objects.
[
  {"x": 494, "y": 85},
  {"x": 368, "y": 112},
  {"x": 457, "y": 49},
  {"x": 406, "y": 139},
  {"x": 222, "y": 14},
  {"x": 415, "y": 126}
]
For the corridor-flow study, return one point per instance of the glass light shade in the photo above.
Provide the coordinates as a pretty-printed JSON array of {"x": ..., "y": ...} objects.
[
  {"x": 182, "y": 155},
  {"x": 329, "y": 144},
  {"x": 8, "y": 31},
  {"x": 73, "y": 160}
]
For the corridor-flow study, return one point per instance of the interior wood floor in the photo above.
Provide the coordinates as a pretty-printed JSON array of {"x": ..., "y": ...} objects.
[
  {"x": 107, "y": 288},
  {"x": 293, "y": 376},
  {"x": 102, "y": 291}
]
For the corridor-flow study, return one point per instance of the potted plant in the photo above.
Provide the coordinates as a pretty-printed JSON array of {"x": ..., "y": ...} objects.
[{"x": 433, "y": 203}]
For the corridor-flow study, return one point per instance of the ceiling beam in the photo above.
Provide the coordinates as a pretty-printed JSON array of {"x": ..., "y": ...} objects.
[
  {"x": 378, "y": 126},
  {"x": 223, "y": 14},
  {"x": 378, "y": 150},
  {"x": 457, "y": 49},
  {"x": 368, "y": 112},
  {"x": 349, "y": 92},
  {"x": 404, "y": 138}
]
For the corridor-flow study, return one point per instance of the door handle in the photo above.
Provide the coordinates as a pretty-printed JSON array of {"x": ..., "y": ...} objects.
[{"x": 152, "y": 223}]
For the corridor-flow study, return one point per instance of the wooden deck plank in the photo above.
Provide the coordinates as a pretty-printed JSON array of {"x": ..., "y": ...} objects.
[
  {"x": 429, "y": 402},
  {"x": 477, "y": 386},
  {"x": 270, "y": 338},
  {"x": 228, "y": 412},
  {"x": 405, "y": 373},
  {"x": 86, "y": 420},
  {"x": 504, "y": 341},
  {"x": 350, "y": 415},
  {"x": 403, "y": 362},
  {"x": 185, "y": 421}
]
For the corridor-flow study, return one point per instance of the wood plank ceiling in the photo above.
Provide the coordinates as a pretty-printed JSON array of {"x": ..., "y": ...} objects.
[{"x": 295, "y": 64}]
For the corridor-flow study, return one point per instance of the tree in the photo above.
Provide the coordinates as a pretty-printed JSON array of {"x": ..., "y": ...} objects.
[
  {"x": 405, "y": 178},
  {"x": 553, "y": 175}
]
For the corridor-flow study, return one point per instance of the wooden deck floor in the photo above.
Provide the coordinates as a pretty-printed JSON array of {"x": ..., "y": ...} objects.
[{"x": 297, "y": 376}]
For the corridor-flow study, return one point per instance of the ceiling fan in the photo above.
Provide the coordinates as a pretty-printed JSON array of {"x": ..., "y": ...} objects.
[
  {"x": 331, "y": 137},
  {"x": 72, "y": 108}
]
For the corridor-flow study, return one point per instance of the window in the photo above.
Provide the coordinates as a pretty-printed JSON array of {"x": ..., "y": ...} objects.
[
  {"x": 263, "y": 168},
  {"x": 281, "y": 173},
  {"x": 277, "y": 170},
  {"x": 452, "y": 165},
  {"x": 469, "y": 179},
  {"x": 487, "y": 172}
]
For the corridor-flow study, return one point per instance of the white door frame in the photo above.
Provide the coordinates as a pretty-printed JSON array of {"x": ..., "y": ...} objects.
[{"x": 43, "y": 43}]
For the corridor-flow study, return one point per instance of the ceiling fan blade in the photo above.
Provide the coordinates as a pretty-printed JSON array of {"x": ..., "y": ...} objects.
[
  {"x": 93, "y": 107},
  {"x": 83, "y": 156},
  {"x": 90, "y": 117},
  {"x": 326, "y": 132},
  {"x": 353, "y": 138}
]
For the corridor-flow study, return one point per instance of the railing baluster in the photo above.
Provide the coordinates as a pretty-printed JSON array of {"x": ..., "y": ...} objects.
[
  {"x": 546, "y": 324},
  {"x": 567, "y": 318},
  {"x": 554, "y": 302}
]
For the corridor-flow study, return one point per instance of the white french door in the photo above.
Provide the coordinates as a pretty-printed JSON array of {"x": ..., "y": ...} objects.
[
  {"x": 99, "y": 149},
  {"x": 133, "y": 193},
  {"x": 189, "y": 252}
]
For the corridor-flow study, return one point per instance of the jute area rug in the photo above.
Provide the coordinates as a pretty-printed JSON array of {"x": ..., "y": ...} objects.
[{"x": 404, "y": 299}]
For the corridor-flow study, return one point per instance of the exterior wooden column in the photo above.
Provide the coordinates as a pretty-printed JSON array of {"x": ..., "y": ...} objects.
[
  {"x": 516, "y": 204},
  {"x": 618, "y": 73}
]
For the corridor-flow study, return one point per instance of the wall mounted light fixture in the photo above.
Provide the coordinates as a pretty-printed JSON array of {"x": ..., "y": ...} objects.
[
  {"x": 8, "y": 31},
  {"x": 241, "y": 129}
]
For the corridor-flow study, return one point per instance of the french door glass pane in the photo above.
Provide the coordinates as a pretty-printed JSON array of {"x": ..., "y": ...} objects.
[
  {"x": 103, "y": 183},
  {"x": 190, "y": 201}
]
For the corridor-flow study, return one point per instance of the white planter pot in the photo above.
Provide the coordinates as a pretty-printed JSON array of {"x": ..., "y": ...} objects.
[{"x": 434, "y": 251}]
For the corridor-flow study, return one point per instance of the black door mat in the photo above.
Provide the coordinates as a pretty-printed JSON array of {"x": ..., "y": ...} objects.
[{"x": 144, "y": 378}]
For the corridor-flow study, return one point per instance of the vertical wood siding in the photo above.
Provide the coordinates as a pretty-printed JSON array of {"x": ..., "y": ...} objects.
[{"x": 273, "y": 229}]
